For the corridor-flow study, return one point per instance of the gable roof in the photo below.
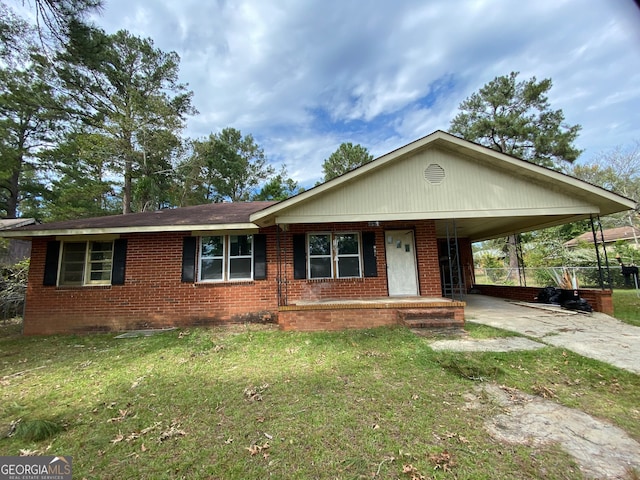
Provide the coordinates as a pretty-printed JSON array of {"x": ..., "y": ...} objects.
[
  {"x": 208, "y": 217},
  {"x": 442, "y": 177},
  {"x": 7, "y": 223},
  {"x": 610, "y": 235},
  {"x": 466, "y": 188}
]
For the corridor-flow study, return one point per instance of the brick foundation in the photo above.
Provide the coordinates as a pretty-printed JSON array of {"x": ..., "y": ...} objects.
[{"x": 318, "y": 317}]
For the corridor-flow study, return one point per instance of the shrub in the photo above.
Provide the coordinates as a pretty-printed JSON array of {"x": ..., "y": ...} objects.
[{"x": 13, "y": 286}]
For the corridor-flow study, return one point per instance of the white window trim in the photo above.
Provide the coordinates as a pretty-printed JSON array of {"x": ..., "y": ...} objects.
[
  {"x": 87, "y": 266},
  {"x": 348, "y": 255},
  {"x": 310, "y": 257},
  {"x": 226, "y": 260},
  {"x": 229, "y": 257},
  {"x": 333, "y": 254},
  {"x": 200, "y": 257}
]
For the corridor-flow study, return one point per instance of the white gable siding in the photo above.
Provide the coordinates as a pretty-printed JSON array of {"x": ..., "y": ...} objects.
[{"x": 469, "y": 189}]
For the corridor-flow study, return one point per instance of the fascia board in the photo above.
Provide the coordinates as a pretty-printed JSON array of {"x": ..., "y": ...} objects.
[{"x": 122, "y": 230}]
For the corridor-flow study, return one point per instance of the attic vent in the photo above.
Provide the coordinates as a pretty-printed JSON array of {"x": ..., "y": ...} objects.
[{"x": 434, "y": 174}]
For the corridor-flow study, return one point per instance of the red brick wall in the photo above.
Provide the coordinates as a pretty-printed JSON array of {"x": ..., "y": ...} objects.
[
  {"x": 600, "y": 300},
  {"x": 426, "y": 253},
  {"x": 153, "y": 295},
  {"x": 320, "y": 320}
]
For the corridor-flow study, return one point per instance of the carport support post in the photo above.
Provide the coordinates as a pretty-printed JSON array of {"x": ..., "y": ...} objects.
[
  {"x": 281, "y": 255},
  {"x": 604, "y": 249}
]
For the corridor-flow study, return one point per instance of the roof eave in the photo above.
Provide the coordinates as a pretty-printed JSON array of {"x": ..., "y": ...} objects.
[{"x": 28, "y": 234}]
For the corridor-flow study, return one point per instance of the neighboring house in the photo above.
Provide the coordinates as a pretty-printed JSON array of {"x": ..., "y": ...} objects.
[
  {"x": 382, "y": 244},
  {"x": 627, "y": 234},
  {"x": 17, "y": 250}
]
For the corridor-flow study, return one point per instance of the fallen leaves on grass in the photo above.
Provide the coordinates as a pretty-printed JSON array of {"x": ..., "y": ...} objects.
[
  {"x": 134, "y": 435},
  {"x": 413, "y": 472},
  {"x": 25, "y": 452},
  {"x": 455, "y": 436},
  {"x": 254, "y": 394},
  {"x": 386, "y": 459},
  {"x": 173, "y": 431},
  {"x": 256, "y": 449},
  {"x": 542, "y": 391},
  {"x": 374, "y": 354},
  {"x": 119, "y": 418},
  {"x": 442, "y": 460},
  {"x": 136, "y": 382}
]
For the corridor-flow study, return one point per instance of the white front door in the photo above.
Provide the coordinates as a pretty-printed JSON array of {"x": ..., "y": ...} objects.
[{"x": 402, "y": 275}]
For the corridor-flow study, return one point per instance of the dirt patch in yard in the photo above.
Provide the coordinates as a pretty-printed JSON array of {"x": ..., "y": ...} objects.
[
  {"x": 508, "y": 344},
  {"x": 602, "y": 450}
]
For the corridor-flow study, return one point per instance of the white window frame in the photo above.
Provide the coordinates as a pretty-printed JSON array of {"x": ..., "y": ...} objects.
[
  {"x": 311, "y": 257},
  {"x": 239, "y": 257},
  {"x": 357, "y": 255},
  {"x": 226, "y": 259},
  {"x": 334, "y": 255},
  {"x": 86, "y": 266},
  {"x": 202, "y": 257}
]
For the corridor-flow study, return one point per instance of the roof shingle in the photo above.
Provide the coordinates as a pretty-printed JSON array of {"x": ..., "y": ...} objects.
[{"x": 209, "y": 214}]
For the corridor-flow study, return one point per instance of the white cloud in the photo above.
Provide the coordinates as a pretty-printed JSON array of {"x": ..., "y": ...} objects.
[{"x": 302, "y": 77}]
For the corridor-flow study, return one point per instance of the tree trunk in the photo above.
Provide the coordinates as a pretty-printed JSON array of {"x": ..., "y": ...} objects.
[
  {"x": 14, "y": 192},
  {"x": 126, "y": 189},
  {"x": 127, "y": 197},
  {"x": 514, "y": 265}
]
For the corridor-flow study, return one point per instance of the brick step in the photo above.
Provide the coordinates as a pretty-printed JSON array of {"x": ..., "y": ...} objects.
[
  {"x": 429, "y": 318},
  {"x": 426, "y": 314},
  {"x": 432, "y": 323}
]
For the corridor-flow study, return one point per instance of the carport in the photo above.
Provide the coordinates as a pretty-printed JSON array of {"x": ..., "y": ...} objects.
[{"x": 517, "y": 197}]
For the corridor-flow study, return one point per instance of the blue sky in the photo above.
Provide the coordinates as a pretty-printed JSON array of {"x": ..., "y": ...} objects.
[{"x": 304, "y": 76}]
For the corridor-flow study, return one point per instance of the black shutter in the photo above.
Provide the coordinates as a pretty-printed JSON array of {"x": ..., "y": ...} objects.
[
  {"x": 259, "y": 257},
  {"x": 119, "y": 261},
  {"x": 299, "y": 256},
  {"x": 189, "y": 245},
  {"x": 51, "y": 263},
  {"x": 369, "y": 254}
]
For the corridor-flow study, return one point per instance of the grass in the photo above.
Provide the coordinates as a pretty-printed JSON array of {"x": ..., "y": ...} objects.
[
  {"x": 626, "y": 306},
  {"x": 255, "y": 403}
]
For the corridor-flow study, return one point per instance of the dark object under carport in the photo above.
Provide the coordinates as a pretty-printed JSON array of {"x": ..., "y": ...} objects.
[
  {"x": 568, "y": 299},
  {"x": 630, "y": 272}
]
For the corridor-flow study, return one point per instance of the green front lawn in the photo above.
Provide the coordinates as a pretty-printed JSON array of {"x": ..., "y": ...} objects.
[
  {"x": 256, "y": 403},
  {"x": 626, "y": 306}
]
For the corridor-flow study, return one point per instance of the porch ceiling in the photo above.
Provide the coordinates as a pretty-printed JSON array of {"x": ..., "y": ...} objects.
[{"x": 480, "y": 228}]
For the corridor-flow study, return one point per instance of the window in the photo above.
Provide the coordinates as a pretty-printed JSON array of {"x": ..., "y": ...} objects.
[
  {"x": 348, "y": 255},
  {"x": 320, "y": 264},
  {"x": 212, "y": 258},
  {"x": 240, "y": 257},
  {"x": 226, "y": 258},
  {"x": 86, "y": 263},
  {"x": 334, "y": 255}
]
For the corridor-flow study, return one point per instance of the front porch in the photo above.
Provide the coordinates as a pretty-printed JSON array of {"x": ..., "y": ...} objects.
[{"x": 339, "y": 314}]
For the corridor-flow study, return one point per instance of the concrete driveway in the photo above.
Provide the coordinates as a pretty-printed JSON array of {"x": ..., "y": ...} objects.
[{"x": 595, "y": 335}]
